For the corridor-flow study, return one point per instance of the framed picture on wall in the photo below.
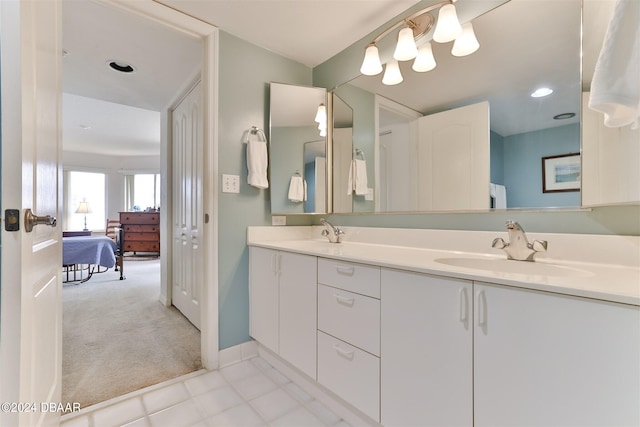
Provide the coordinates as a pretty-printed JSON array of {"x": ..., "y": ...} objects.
[{"x": 561, "y": 173}]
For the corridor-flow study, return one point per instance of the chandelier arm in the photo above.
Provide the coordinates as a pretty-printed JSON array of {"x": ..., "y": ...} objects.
[{"x": 407, "y": 19}]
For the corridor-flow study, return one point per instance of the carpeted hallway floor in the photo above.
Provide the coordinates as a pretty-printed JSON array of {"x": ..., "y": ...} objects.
[{"x": 118, "y": 337}]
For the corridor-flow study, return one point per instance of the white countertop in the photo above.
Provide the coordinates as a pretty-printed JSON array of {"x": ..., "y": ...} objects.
[{"x": 591, "y": 279}]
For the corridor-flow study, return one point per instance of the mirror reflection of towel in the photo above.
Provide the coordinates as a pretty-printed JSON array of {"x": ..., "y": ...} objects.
[
  {"x": 297, "y": 189},
  {"x": 499, "y": 194},
  {"x": 358, "y": 178}
]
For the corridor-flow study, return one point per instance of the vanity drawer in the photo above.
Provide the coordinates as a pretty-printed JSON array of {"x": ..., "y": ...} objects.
[
  {"x": 351, "y": 317},
  {"x": 351, "y": 373},
  {"x": 358, "y": 278}
]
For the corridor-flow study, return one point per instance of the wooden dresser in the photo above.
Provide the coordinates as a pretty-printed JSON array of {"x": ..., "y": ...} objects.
[{"x": 141, "y": 231}]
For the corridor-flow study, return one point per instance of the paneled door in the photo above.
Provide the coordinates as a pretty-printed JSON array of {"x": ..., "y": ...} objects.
[
  {"x": 187, "y": 205},
  {"x": 31, "y": 327}
]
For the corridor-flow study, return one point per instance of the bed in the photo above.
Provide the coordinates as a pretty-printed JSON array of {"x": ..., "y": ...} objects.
[{"x": 88, "y": 254}]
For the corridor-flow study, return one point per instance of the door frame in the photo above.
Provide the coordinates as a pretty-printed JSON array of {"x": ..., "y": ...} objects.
[{"x": 209, "y": 36}]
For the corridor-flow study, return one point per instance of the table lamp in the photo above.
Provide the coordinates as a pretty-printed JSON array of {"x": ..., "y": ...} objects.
[{"x": 84, "y": 208}]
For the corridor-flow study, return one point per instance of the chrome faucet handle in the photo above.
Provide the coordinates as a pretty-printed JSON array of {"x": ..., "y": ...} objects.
[
  {"x": 539, "y": 245},
  {"x": 498, "y": 243}
]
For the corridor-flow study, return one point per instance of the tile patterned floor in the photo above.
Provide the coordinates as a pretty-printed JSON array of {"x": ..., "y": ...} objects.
[{"x": 248, "y": 393}]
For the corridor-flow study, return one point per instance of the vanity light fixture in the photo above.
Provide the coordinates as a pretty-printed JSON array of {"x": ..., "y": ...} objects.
[
  {"x": 321, "y": 119},
  {"x": 416, "y": 26}
]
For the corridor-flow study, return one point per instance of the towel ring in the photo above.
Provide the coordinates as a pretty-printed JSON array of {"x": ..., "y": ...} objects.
[
  {"x": 359, "y": 152},
  {"x": 254, "y": 131}
]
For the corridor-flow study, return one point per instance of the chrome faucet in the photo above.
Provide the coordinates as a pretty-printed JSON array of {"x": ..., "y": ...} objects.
[
  {"x": 333, "y": 233},
  {"x": 519, "y": 247}
]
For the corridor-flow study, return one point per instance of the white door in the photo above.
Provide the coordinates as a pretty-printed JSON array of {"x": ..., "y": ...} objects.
[
  {"x": 31, "y": 326},
  {"x": 187, "y": 205},
  {"x": 453, "y": 153}
]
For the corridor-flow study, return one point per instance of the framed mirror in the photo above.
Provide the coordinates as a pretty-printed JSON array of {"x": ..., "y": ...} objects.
[
  {"x": 517, "y": 55},
  {"x": 297, "y": 149}
]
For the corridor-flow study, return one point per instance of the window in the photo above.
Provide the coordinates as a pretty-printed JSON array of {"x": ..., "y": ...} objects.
[
  {"x": 89, "y": 187},
  {"x": 142, "y": 191}
]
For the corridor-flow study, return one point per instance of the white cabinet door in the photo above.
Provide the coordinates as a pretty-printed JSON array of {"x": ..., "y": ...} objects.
[
  {"x": 544, "y": 359},
  {"x": 263, "y": 296},
  {"x": 298, "y": 307},
  {"x": 426, "y": 350}
]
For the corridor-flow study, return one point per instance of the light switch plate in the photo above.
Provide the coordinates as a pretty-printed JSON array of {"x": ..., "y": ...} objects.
[
  {"x": 369, "y": 195},
  {"x": 230, "y": 183}
]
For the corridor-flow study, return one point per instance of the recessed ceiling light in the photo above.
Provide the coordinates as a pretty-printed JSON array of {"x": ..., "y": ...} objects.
[
  {"x": 564, "y": 116},
  {"x": 65, "y": 52},
  {"x": 121, "y": 66},
  {"x": 543, "y": 91}
]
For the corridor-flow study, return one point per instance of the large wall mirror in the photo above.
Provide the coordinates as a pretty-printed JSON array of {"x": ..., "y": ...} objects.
[
  {"x": 524, "y": 45},
  {"x": 298, "y": 149}
]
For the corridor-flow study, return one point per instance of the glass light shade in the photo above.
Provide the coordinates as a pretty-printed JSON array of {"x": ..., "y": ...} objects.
[
  {"x": 392, "y": 75},
  {"x": 406, "y": 48},
  {"x": 371, "y": 64},
  {"x": 425, "y": 60},
  {"x": 321, "y": 114},
  {"x": 448, "y": 27},
  {"x": 323, "y": 132},
  {"x": 466, "y": 43}
]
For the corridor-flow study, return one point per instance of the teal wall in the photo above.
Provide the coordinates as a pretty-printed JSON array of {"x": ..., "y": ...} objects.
[
  {"x": 523, "y": 155},
  {"x": 496, "y": 151},
  {"x": 245, "y": 74}
]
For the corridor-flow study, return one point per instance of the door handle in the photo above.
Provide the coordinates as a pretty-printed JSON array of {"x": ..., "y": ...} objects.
[{"x": 31, "y": 220}]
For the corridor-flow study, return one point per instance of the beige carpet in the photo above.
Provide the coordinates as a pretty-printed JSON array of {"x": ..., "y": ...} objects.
[{"x": 118, "y": 337}]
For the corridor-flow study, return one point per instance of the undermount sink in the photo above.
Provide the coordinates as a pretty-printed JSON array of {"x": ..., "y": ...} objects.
[{"x": 513, "y": 267}]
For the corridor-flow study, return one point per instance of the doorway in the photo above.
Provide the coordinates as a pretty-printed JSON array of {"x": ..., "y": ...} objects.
[{"x": 147, "y": 15}]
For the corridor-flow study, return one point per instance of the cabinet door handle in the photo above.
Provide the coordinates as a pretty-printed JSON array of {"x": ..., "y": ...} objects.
[
  {"x": 347, "y": 354},
  {"x": 347, "y": 271},
  {"x": 344, "y": 300},
  {"x": 275, "y": 264},
  {"x": 482, "y": 308},
  {"x": 464, "y": 305}
]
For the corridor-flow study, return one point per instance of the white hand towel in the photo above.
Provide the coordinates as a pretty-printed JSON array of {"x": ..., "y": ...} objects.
[
  {"x": 297, "y": 189},
  {"x": 358, "y": 178},
  {"x": 257, "y": 161},
  {"x": 615, "y": 88}
]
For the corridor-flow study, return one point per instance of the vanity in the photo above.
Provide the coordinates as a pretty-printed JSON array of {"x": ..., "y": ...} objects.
[{"x": 434, "y": 327}]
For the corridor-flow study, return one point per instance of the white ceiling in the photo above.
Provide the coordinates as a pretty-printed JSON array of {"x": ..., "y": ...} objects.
[{"x": 307, "y": 31}]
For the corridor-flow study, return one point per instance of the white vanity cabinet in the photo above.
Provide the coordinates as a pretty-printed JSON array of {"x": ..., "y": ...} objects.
[
  {"x": 284, "y": 305},
  {"x": 426, "y": 350},
  {"x": 349, "y": 333},
  {"x": 455, "y": 352},
  {"x": 544, "y": 359}
]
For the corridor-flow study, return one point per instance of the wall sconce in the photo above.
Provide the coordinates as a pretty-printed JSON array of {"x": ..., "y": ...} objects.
[
  {"x": 418, "y": 24},
  {"x": 321, "y": 119},
  {"x": 84, "y": 208}
]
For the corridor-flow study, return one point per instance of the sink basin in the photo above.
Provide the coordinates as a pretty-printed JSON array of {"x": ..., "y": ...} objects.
[{"x": 514, "y": 267}]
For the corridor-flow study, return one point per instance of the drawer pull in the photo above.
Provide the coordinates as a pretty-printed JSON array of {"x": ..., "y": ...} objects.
[
  {"x": 344, "y": 353},
  {"x": 344, "y": 301},
  {"x": 347, "y": 271}
]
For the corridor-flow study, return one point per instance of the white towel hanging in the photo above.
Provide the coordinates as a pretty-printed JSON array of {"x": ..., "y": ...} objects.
[
  {"x": 358, "y": 178},
  {"x": 615, "y": 88},
  {"x": 257, "y": 158},
  {"x": 297, "y": 189}
]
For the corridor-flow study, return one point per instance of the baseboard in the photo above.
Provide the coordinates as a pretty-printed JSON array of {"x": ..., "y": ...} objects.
[
  {"x": 237, "y": 353},
  {"x": 347, "y": 412}
]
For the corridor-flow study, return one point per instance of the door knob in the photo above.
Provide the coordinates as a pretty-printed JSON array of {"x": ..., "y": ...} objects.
[{"x": 31, "y": 220}]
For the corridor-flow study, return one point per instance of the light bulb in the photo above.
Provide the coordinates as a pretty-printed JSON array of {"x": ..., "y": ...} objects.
[
  {"x": 448, "y": 26},
  {"x": 406, "y": 48},
  {"x": 392, "y": 75},
  {"x": 321, "y": 114},
  {"x": 466, "y": 43},
  {"x": 371, "y": 64},
  {"x": 425, "y": 60}
]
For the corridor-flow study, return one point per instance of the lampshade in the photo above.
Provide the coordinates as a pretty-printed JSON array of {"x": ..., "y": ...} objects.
[
  {"x": 448, "y": 26},
  {"x": 425, "y": 60},
  {"x": 83, "y": 207},
  {"x": 321, "y": 114},
  {"x": 466, "y": 43},
  {"x": 371, "y": 64},
  {"x": 392, "y": 75},
  {"x": 406, "y": 48}
]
